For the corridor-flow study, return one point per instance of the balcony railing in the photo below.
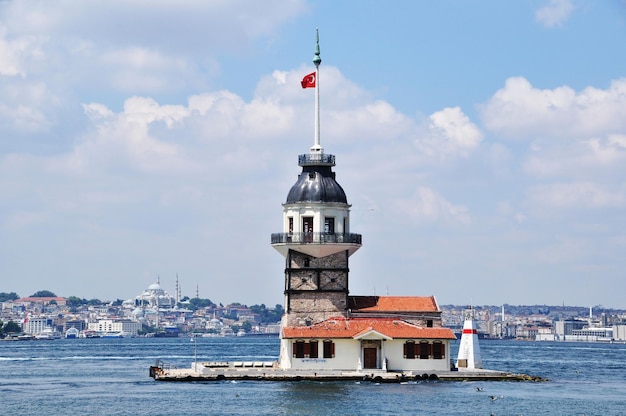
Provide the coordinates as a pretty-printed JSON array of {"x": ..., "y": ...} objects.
[
  {"x": 316, "y": 159},
  {"x": 315, "y": 238}
]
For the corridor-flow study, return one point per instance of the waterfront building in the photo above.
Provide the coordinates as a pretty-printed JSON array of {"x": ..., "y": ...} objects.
[
  {"x": 619, "y": 332},
  {"x": 324, "y": 327},
  {"x": 38, "y": 324},
  {"x": 567, "y": 327},
  {"x": 111, "y": 326},
  {"x": 79, "y": 324}
]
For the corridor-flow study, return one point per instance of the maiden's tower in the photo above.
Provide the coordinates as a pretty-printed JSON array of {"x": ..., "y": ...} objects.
[{"x": 324, "y": 327}]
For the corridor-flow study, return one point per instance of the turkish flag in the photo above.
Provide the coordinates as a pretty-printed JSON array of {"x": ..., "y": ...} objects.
[{"x": 308, "y": 81}]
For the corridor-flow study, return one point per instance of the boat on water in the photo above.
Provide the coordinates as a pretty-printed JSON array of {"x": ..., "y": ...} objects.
[
  {"x": 21, "y": 337},
  {"x": 112, "y": 335},
  {"x": 167, "y": 332},
  {"x": 47, "y": 334}
]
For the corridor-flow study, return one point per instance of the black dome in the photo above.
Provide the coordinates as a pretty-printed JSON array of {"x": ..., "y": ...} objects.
[{"x": 316, "y": 184}]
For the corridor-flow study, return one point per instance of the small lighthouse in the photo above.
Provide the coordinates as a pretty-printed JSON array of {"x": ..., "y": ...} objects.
[{"x": 469, "y": 350}]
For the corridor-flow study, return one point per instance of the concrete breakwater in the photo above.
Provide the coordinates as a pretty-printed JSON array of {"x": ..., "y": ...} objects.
[{"x": 269, "y": 371}]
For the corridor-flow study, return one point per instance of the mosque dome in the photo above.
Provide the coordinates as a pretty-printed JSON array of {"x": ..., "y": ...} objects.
[{"x": 154, "y": 286}]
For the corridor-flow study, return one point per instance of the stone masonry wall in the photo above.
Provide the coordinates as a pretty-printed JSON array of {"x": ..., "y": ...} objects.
[{"x": 317, "y": 288}]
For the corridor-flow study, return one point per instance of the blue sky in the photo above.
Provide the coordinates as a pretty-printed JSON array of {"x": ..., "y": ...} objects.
[{"x": 482, "y": 145}]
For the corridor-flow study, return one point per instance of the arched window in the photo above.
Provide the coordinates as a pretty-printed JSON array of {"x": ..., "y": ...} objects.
[
  {"x": 302, "y": 349},
  {"x": 298, "y": 349},
  {"x": 329, "y": 349},
  {"x": 424, "y": 350},
  {"x": 439, "y": 350},
  {"x": 313, "y": 349},
  {"x": 409, "y": 349}
]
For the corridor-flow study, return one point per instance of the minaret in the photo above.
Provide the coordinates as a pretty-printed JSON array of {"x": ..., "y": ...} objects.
[
  {"x": 316, "y": 240},
  {"x": 177, "y": 290}
]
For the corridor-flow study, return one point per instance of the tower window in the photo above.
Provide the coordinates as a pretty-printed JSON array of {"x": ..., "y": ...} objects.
[
  {"x": 307, "y": 224},
  {"x": 290, "y": 226},
  {"x": 329, "y": 225},
  {"x": 307, "y": 262}
]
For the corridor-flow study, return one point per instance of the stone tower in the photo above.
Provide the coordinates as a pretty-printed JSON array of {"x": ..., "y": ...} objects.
[{"x": 316, "y": 240}]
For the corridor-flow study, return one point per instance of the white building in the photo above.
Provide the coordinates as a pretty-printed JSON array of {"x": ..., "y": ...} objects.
[
  {"x": 111, "y": 326},
  {"x": 36, "y": 325},
  {"x": 155, "y": 297}
]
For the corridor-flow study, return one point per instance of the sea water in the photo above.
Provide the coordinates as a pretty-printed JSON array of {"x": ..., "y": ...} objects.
[{"x": 110, "y": 377}]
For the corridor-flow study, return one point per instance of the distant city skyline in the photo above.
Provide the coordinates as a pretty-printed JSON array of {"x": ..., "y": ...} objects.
[
  {"x": 482, "y": 145},
  {"x": 594, "y": 309}
]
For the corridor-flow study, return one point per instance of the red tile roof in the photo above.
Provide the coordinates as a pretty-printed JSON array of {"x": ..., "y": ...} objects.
[
  {"x": 353, "y": 328},
  {"x": 393, "y": 304}
]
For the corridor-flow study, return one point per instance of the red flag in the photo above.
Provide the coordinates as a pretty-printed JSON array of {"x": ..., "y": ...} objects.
[{"x": 308, "y": 81}]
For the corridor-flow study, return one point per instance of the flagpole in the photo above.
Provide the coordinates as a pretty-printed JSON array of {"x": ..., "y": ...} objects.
[{"x": 317, "y": 148}]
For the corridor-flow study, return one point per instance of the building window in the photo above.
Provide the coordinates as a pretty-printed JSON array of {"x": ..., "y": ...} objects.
[
  {"x": 290, "y": 227},
  {"x": 329, "y": 225},
  {"x": 307, "y": 224},
  {"x": 429, "y": 323},
  {"x": 409, "y": 349},
  {"x": 439, "y": 350},
  {"x": 307, "y": 229},
  {"x": 307, "y": 262},
  {"x": 424, "y": 350},
  {"x": 298, "y": 349},
  {"x": 329, "y": 349},
  {"x": 302, "y": 349}
]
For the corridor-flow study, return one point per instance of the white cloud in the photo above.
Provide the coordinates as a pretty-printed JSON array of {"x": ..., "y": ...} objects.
[
  {"x": 449, "y": 133},
  {"x": 192, "y": 25},
  {"x": 142, "y": 70},
  {"x": 368, "y": 121},
  {"x": 125, "y": 139},
  {"x": 522, "y": 111},
  {"x": 17, "y": 52},
  {"x": 565, "y": 250},
  {"x": 555, "y": 13},
  {"x": 28, "y": 107},
  {"x": 576, "y": 195},
  {"x": 23, "y": 219},
  {"x": 602, "y": 157},
  {"x": 427, "y": 206}
]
